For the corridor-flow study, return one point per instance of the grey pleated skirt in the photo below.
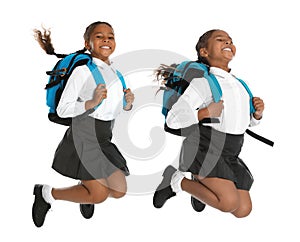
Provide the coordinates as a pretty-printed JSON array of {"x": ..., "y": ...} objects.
[
  {"x": 86, "y": 151},
  {"x": 210, "y": 153}
]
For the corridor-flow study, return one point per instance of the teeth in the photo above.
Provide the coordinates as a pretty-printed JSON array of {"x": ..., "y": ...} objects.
[
  {"x": 227, "y": 49},
  {"x": 105, "y": 47}
]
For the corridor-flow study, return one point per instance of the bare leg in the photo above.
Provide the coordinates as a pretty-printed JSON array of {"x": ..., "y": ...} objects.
[
  {"x": 89, "y": 192},
  {"x": 93, "y": 191},
  {"x": 216, "y": 192}
]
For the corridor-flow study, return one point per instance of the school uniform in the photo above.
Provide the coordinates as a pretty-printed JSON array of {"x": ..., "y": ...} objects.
[
  {"x": 212, "y": 149},
  {"x": 86, "y": 151}
]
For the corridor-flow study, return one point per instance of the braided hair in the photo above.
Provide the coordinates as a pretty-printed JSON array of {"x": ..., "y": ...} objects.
[{"x": 44, "y": 38}]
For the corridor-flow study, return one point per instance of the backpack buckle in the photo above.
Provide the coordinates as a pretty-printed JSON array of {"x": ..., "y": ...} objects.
[{"x": 61, "y": 72}]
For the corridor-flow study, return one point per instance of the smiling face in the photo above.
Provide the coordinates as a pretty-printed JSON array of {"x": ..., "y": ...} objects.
[
  {"x": 101, "y": 43},
  {"x": 219, "y": 50}
]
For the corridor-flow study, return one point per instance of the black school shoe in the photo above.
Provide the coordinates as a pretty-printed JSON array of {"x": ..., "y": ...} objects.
[
  {"x": 196, "y": 204},
  {"x": 87, "y": 210},
  {"x": 164, "y": 191},
  {"x": 40, "y": 206}
]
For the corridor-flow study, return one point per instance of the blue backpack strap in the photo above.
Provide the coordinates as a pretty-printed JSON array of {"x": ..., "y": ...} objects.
[
  {"x": 252, "y": 109},
  {"x": 212, "y": 81},
  {"x": 214, "y": 86},
  {"x": 184, "y": 66},
  {"x": 217, "y": 94},
  {"x": 99, "y": 79},
  {"x": 121, "y": 79},
  {"x": 124, "y": 86},
  {"x": 96, "y": 75}
]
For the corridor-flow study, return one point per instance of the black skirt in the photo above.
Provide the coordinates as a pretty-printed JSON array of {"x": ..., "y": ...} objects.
[
  {"x": 210, "y": 153},
  {"x": 86, "y": 151}
]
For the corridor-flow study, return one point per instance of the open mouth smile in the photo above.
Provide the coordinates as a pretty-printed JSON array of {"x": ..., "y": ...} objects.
[
  {"x": 227, "y": 49},
  {"x": 105, "y": 47}
]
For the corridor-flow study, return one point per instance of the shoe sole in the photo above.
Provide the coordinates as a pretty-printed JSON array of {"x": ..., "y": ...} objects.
[
  {"x": 83, "y": 213},
  {"x": 194, "y": 201}
]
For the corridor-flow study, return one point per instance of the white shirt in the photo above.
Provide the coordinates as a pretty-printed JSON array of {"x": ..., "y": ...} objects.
[
  {"x": 80, "y": 88},
  {"x": 235, "y": 117}
]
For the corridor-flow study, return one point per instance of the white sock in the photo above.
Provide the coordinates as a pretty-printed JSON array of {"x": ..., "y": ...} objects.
[
  {"x": 176, "y": 181},
  {"x": 47, "y": 195}
]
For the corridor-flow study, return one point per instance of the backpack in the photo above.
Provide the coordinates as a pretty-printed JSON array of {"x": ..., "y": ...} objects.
[
  {"x": 59, "y": 76},
  {"x": 177, "y": 80}
]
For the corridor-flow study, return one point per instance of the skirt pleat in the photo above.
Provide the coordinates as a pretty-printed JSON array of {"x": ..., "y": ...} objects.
[
  {"x": 210, "y": 153},
  {"x": 86, "y": 151}
]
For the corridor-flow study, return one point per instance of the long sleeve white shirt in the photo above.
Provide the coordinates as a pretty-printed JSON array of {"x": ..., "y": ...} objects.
[
  {"x": 235, "y": 117},
  {"x": 80, "y": 88}
]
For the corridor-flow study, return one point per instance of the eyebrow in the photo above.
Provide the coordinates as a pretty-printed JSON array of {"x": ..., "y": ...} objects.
[
  {"x": 217, "y": 36},
  {"x": 103, "y": 33}
]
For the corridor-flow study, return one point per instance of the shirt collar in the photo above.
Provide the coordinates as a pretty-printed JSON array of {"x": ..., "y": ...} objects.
[
  {"x": 102, "y": 64},
  {"x": 220, "y": 72}
]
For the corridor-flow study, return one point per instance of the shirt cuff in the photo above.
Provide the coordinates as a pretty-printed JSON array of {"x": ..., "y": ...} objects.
[
  {"x": 254, "y": 121},
  {"x": 80, "y": 108},
  {"x": 181, "y": 121}
]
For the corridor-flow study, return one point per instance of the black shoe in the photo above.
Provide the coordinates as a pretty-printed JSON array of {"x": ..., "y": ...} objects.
[
  {"x": 164, "y": 191},
  {"x": 87, "y": 210},
  {"x": 196, "y": 204},
  {"x": 40, "y": 206}
]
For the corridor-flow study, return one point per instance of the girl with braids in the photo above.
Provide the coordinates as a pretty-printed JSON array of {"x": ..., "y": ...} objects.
[
  {"x": 86, "y": 152},
  {"x": 219, "y": 177}
]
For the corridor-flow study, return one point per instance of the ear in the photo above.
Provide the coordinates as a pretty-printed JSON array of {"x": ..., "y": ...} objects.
[
  {"x": 87, "y": 45},
  {"x": 203, "y": 52}
]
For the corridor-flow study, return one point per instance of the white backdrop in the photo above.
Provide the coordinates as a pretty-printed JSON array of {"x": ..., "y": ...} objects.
[{"x": 267, "y": 41}]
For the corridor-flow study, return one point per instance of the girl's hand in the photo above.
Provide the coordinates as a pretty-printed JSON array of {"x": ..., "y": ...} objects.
[
  {"x": 129, "y": 97},
  {"x": 213, "y": 110},
  {"x": 259, "y": 107},
  {"x": 100, "y": 93}
]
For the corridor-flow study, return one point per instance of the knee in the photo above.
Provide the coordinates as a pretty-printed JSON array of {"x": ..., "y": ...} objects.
[
  {"x": 229, "y": 204},
  {"x": 99, "y": 196},
  {"x": 243, "y": 211},
  {"x": 117, "y": 194},
  {"x": 118, "y": 191}
]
